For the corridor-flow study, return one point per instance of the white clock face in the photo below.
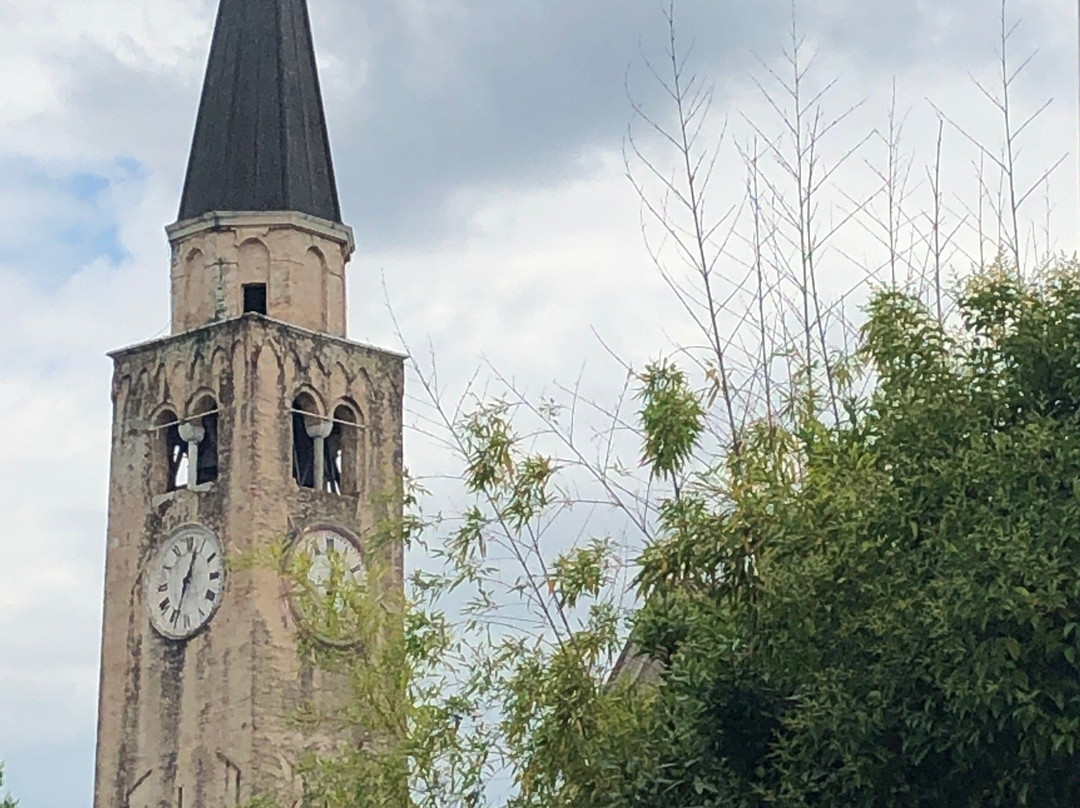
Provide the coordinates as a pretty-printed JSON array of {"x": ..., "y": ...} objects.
[
  {"x": 328, "y": 572},
  {"x": 185, "y": 582},
  {"x": 331, "y": 551}
]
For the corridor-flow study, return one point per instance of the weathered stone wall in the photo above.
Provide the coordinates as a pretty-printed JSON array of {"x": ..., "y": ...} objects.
[
  {"x": 300, "y": 258},
  {"x": 207, "y": 720}
]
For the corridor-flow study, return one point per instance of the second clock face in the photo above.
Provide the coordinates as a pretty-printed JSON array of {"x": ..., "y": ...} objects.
[
  {"x": 328, "y": 579},
  {"x": 185, "y": 582},
  {"x": 330, "y": 549}
]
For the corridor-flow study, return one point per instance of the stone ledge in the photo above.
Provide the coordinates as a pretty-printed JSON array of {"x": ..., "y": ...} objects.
[
  {"x": 250, "y": 319},
  {"x": 224, "y": 220}
]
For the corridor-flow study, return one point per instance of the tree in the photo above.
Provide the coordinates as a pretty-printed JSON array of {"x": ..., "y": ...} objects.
[
  {"x": 885, "y": 611},
  {"x": 7, "y": 801}
]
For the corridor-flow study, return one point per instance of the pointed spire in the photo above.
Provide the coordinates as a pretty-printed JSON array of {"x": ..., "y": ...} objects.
[{"x": 260, "y": 141}]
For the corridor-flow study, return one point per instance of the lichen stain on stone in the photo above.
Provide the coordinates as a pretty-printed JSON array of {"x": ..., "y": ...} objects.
[{"x": 172, "y": 701}]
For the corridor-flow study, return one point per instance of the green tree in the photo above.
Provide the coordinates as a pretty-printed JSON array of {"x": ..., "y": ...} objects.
[
  {"x": 7, "y": 801},
  {"x": 896, "y": 623}
]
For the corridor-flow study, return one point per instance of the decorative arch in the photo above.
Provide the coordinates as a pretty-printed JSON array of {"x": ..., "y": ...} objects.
[
  {"x": 194, "y": 261},
  {"x": 201, "y": 403},
  {"x": 254, "y": 277},
  {"x": 254, "y": 258},
  {"x": 219, "y": 363},
  {"x": 195, "y": 287},
  {"x": 312, "y": 402},
  {"x": 315, "y": 269}
]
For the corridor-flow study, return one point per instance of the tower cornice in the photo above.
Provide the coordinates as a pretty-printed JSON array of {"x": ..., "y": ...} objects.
[{"x": 217, "y": 221}]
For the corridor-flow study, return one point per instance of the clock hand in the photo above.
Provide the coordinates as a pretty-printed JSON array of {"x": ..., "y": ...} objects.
[{"x": 187, "y": 580}]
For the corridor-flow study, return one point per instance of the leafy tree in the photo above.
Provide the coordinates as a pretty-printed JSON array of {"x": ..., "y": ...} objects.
[
  {"x": 7, "y": 801},
  {"x": 885, "y": 611}
]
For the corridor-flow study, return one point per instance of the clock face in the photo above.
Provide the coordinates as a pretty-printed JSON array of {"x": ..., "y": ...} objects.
[
  {"x": 331, "y": 557},
  {"x": 185, "y": 582},
  {"x": 328, "y": 571}
]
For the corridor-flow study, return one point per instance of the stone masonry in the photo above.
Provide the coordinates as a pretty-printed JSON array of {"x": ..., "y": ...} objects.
[{"x": 205, "y": 722}]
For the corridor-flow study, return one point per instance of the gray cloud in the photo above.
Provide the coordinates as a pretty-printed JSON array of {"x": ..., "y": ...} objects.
[
  {"x": 489, "y": 91},
  {"x": 424, "y": 99}
]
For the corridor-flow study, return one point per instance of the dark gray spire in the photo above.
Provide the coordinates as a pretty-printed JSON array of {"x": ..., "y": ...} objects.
[{"x": 261, "y": 142}]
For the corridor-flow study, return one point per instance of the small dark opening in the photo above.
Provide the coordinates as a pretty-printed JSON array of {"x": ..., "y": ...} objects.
[{"x": 254, "y": 298}]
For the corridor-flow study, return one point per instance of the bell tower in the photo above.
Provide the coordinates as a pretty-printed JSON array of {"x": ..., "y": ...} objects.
[{"x": 255, "y": 424}]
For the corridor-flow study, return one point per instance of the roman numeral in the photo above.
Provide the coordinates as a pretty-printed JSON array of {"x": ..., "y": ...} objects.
[
  {"x": 215, "y": 576},
  {"x": 330, "y": 544},
  {"x": 175, "y": 617},
  {"x": 163, "y": 588},
  {"x": 187, "y": 621},
  {"x": 211, "y": 594},
  {"x": 211, "y": 558},
  {"x": 177, "y": 551},
  {"x": 164, "y": 605},
  {"x": 356, "y": 570}
]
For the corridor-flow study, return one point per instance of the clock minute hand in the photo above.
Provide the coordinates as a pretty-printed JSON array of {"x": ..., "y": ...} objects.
[{"x": 187, "y": 579}]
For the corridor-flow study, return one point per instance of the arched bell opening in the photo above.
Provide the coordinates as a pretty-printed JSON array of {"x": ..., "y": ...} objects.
[
  {"x": 306, "y": 418},
  {"x": 344, "y": 452}
]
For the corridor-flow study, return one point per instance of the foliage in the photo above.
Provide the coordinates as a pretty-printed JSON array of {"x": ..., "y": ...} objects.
[
  {"x": 880, "y": 611},
  {"x": 434, "y": 709},
  {"x": 7, "y": 801},
  {"x": 671, "y": 419},
  {"x": 909, "y": 635}
]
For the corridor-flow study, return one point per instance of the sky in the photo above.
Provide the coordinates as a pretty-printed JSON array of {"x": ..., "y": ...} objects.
[{"x": 479, "y": 148}]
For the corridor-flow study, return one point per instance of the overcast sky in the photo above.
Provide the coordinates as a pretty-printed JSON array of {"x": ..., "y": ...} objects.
[{"x": 478, "y": 147}]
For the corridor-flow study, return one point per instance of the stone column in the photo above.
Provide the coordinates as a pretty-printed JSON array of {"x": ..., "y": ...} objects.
[
  {"x": 319, "y": 430},
  {"x": 192, "y": 432}
]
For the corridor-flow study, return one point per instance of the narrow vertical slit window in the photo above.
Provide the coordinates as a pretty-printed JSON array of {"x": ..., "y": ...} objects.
[{"x": 254, "y": 298}]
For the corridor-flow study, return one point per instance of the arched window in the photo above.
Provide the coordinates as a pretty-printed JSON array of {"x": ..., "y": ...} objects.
[
  {"x": 343, "y": 452},
  {"x": 305, "y": 414},
  {"x": 254, "y": 270},
  {"x": 205, "y": 414}
]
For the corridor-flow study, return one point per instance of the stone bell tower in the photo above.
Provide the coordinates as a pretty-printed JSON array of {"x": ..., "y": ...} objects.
[{"x": 255, "y": 423}]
